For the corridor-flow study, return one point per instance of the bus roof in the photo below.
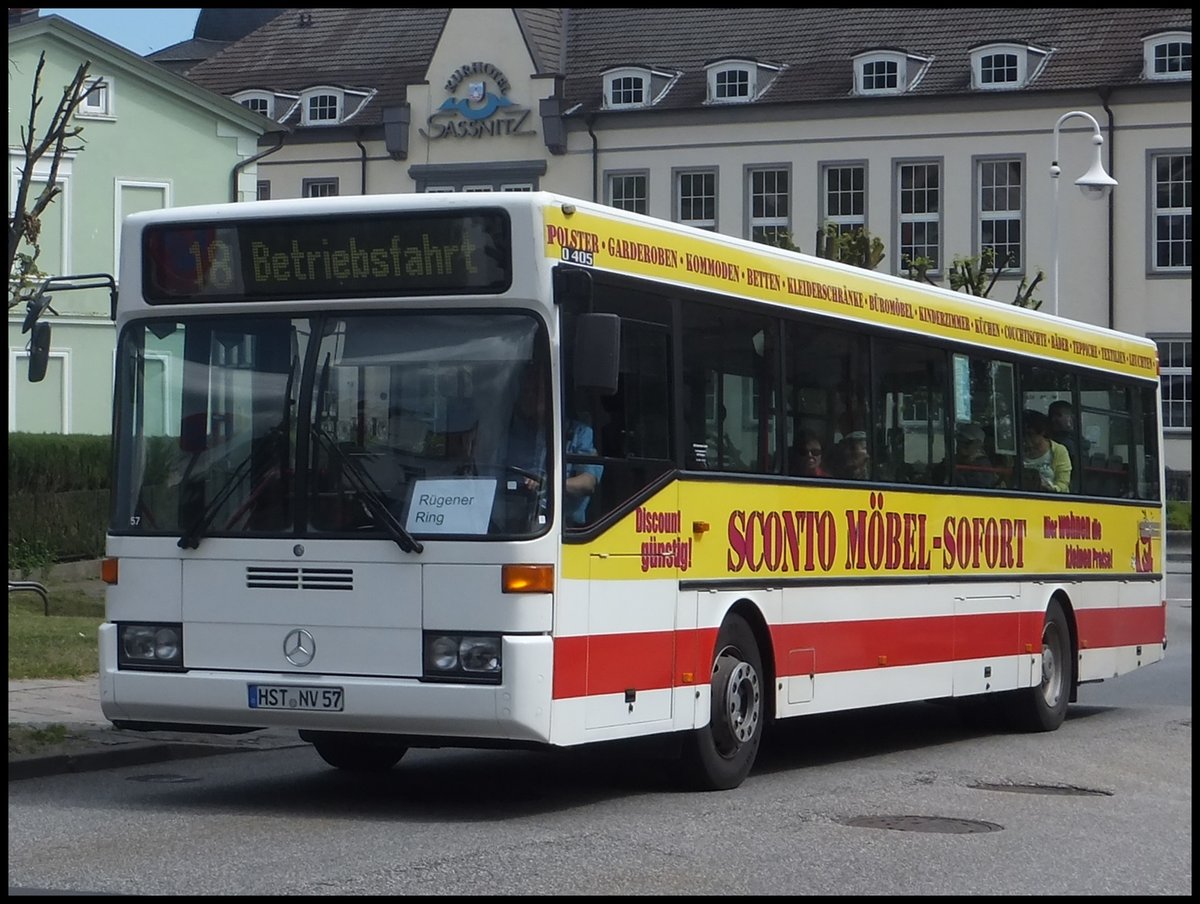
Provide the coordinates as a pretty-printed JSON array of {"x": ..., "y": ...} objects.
[{"x": 607, "y": 239}]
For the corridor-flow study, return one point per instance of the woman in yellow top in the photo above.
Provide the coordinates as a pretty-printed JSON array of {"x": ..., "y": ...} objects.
[{"x": 1047, "y": 464}]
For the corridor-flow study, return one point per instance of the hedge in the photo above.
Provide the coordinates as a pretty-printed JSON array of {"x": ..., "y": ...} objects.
[
  {"x": 58, "y": 492},
  {"x": 56, "y": 463}
]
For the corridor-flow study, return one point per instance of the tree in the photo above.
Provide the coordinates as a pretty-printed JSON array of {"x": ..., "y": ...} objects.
[
  {"x": 855, "y": 246},
  {"x": 24, "y": 224},
  {"x": 971, "y": 275}
]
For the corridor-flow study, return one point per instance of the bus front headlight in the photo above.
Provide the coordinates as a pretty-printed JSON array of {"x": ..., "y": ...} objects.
[
  {"x": 150, "y": 646},
  {"x": 462, "y": 657}
]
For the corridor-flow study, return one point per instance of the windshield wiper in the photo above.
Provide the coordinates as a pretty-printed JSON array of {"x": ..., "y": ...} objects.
[
  {"x": 192, "y": 536},
  {"x": 371, "y": 495}
]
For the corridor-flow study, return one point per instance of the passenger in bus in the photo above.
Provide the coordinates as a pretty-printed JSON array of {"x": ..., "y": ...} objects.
[
  {"x": 852, "y": 460},
  {"x": 804, "y": 459},
  {"x": 1062, "y": 430},
  {"x": 1046, "y": 465},
  {"x": 972, "y": 466}
]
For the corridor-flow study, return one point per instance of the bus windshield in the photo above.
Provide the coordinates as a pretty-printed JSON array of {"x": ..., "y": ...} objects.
[{"x": 399, "y": 425}]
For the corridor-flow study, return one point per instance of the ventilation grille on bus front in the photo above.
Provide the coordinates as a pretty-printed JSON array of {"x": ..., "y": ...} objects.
[{"x": 300, "y": 578}]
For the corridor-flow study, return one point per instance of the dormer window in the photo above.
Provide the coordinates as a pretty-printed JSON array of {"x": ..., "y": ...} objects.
[
  {"x": 1003, "y": 67},
  {"x": 322, "y": 108},
  {"x": 887, "y": 71},
  {"x": 324, "y": 105},
  {"x": 632, "y": 87},
  {"x": 259, "y": 101},
  {"x": 738, "y": 81},
  {"x": 1168, "y": 56}
]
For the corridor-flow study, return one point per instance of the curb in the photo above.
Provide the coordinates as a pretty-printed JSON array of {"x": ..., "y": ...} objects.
[{"x": 141, "y": 755}]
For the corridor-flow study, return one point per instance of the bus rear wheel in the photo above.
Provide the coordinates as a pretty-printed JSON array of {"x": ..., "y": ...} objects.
[
  {"x": 720, "y": 755},
  {"x": 366, "y": 754},
  {"x": 1044, "y": 706}
]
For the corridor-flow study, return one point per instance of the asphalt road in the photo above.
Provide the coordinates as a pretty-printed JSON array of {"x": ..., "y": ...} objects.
[{"x": 909, "y": 800}]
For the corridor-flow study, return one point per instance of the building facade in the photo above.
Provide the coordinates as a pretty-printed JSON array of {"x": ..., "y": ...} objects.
[
  {"x": 150, "y": 139},
  {"x": 932, "y": 130}
]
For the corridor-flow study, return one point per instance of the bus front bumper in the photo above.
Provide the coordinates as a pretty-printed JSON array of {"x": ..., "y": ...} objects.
[{"x": 211, "y": 700}]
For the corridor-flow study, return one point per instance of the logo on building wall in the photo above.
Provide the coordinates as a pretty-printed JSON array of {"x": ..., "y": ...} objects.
[{"x": 483, "y": 110}]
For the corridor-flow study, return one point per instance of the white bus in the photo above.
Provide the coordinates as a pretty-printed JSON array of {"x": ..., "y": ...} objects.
[{"x": 518, "y": 469}]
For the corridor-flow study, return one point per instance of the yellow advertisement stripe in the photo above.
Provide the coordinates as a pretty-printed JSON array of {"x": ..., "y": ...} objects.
[
  {"x": 637, "y": 249},
  {"x": 709, "y": 530}
]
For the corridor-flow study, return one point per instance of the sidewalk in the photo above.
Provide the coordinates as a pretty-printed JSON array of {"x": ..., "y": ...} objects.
[{"x": 93, "y": 743}]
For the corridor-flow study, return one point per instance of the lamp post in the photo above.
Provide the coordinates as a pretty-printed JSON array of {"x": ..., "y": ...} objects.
[{"x": 1095, "y": 184}]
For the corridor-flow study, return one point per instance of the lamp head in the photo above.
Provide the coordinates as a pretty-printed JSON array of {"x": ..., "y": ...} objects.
[{"x": 1096, "y": 183}]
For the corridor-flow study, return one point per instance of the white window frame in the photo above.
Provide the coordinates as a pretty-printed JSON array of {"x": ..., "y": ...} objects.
[
  {"x": 615, "y": 75},
  {"x": 641, "y": 175},
  {"x": 119, "y": 215},
  {"x": 1169, "y": 213},
  {"x": 1001, "y": 214},
  {"x": 313, "y": 94},
  {"x": 846, "y": 222},
  {"x": 727, "y": 67},
  {"x": 308, "y": 183},
  {"x": 101, "y": 103},
  {"x": 41, "y": 175},
  {"x": 979, "y": 54},
  {"x": 18, "y": 366},
  {"x": 245, "y": 97},
  {"x": 863, "y": 60},
  {"x": 655, "y": 85},
  {"x": 774, "y": 222},
  {"x": 678, "y": 177},
  {"x": 1150, "y": 48},
  {"x": 1167, "y": 371},
  {"x": 920, "y": 217}
]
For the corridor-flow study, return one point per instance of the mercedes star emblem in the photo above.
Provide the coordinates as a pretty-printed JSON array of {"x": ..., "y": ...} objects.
[{"x": 299, "y": 648}]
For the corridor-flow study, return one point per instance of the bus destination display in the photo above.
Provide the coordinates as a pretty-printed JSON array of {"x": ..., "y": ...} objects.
[{"x": 328, "y": 257}]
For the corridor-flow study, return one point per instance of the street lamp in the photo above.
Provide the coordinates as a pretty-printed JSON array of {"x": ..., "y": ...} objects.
[{"x": 1095, "y": 184}]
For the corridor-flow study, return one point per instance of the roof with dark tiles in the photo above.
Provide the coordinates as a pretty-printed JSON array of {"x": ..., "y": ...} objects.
[{"x": 388, "y": 49}]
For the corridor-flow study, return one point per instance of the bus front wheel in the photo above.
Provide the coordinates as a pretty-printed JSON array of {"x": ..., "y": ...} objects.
[
  {"x": 1043, "y": 707},
  {"x": 719, "y": 755},
  {"x": 356, "y": 755}
]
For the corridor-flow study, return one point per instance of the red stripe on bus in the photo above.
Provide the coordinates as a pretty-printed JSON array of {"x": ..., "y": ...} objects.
[
  {"x": 612, "y": 663},
  {"x": 1100, "y": 628}
]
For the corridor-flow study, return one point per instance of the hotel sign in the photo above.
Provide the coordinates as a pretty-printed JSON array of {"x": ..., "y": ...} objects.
[{"x": 478, "y": 106}]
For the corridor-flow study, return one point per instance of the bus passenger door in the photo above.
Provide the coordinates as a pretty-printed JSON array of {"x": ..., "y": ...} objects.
[{"x": 631, "y": 630}]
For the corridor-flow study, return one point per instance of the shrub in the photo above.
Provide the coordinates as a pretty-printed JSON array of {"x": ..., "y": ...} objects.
[
  {"x": 56, "y": 463},
  {"x": 1179, "y": 515},
  {"x": 58, "y": 491}
]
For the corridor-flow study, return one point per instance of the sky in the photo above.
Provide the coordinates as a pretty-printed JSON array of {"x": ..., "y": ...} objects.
[{"x": 142, "y": 31}]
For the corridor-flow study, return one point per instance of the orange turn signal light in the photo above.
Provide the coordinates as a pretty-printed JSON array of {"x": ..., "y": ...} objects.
[
  {"x": 108, "y": 570},
  {"x": 527, "y": 579}
]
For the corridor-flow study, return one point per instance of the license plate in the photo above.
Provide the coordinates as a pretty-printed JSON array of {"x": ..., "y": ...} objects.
[{"x": 273, "y": 696}]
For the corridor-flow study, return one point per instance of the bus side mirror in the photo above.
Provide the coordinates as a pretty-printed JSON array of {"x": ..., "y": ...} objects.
[
  {"x": 39, "y": 351},
  {"x": 598, "y": 352}
]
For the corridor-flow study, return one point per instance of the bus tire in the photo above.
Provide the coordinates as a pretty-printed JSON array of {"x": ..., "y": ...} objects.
[
  {"x": 352, "y": 755},
  {"x": 719, "y": 756},
  {"x": 1044, "y": 707}
]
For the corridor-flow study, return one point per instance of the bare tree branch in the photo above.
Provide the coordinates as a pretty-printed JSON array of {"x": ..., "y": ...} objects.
[{"x": 24, "y": 224}]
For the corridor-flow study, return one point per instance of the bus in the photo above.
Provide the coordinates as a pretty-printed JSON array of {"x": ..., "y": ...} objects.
[{"x": 520, "y": 470}]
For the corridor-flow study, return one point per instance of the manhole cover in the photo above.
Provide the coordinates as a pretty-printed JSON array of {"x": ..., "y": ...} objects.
[
  {"x": 162, "y": 778},
  {"x": 1044, "y": 789},
  {"x": 946, "y": 825}
]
